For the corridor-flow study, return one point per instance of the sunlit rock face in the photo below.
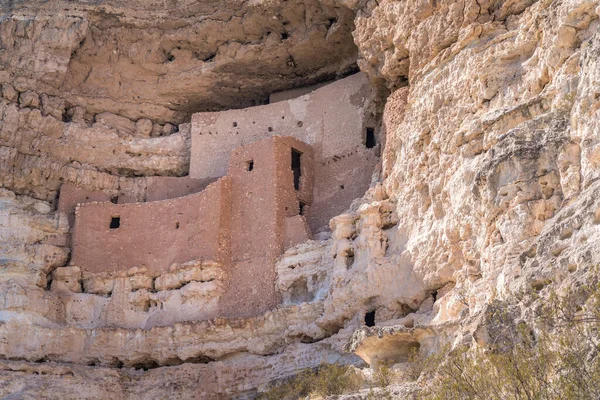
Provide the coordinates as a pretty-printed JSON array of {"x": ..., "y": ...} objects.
[{"x": 487, "y": 188}]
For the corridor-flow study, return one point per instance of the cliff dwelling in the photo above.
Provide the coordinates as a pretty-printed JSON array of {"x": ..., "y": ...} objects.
[
  {"x": 261, "y": 180},
  {"x": 299, "y": 199}
]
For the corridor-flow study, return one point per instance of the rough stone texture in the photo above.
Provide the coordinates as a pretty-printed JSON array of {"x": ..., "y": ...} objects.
[
  {"x": 490, "y": 159},
  {"x": 489, "y": 188},
  {"x": 164, "y": 61}
]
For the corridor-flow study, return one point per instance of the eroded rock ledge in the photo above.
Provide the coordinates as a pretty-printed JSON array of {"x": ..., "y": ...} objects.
[{"x": 488, "y": 189}]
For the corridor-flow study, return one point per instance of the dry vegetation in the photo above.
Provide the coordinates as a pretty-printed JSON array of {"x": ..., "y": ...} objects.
[
  {"x": 327, "y": 380},
  {"x": 554, "y": 357}
]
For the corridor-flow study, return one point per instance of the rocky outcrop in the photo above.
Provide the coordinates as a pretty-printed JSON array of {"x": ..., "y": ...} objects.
[
  {"x": 488, "y": 187},
  {"x": 163, "y": 61}
]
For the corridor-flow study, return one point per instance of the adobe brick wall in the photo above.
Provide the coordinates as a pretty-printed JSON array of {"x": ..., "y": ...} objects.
[
  {"x": 152, "y": 235},
  {"x": 262, "y": 199},
  {"x": 244, "y": 221},
  {"x": 71, "y": 195},
  {"x": 335, "y": 130},
  {"x": 296, "y": 92},
  {"x": 171, "y": 187},
  {"x": 157, "y": 188}
]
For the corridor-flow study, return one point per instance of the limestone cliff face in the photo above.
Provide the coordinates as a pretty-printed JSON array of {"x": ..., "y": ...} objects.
[{"x": 488, "y": 185}]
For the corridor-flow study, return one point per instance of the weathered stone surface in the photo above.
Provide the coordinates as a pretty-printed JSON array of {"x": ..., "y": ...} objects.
[
  {"x": 488, "y": 185},
  {"x": 151, "y": 60}
]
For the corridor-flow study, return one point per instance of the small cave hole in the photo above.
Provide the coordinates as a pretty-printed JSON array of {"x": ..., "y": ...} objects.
[
  {"x": 235, "y": 124},
  {"x": 114, "y": 199},
  {"x": 300, "y": 123},
  {"x": 284, "y": 36},
  {"x": 342, "y": 187},
  {"x": 434, "y": 294},
  {"x": 115, "y": 222},
  {"x": 370, "y": 138},
  {"x": 67, "y": 115},
  {"x": 270, "y": 129},
  {"x": 299, "y": 292},
  {"x": 249, "y": 165},
  {"x": 370, "y": 318},
  {"x": 176, "y": 224},
  {"x": 146, "y": 365},
  {"x": 349, "y": 260}
]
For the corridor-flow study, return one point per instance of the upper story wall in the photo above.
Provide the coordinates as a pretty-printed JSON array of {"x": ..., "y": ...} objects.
[
  {"x": 111, "y": 237},
  {"x": 331, "y": 119},
  {"x": 154, "y": 188}
]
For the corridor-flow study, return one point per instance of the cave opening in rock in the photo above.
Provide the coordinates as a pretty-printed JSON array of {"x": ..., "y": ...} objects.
[
  {"x": 296, "y": 167},
  {"x": 115, "y": 222},
  {"x": 370, "y": 138},
  {"x": 250, "y": 165},
  {"x": 370, "y": 318}
]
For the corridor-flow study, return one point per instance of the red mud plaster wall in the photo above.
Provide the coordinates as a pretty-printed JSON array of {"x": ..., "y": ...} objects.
[
  {"x": 153, "y": 235},
  {"x": 263, "y": 198}
]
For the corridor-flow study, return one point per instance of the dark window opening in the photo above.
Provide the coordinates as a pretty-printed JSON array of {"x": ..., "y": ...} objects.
[
  {"x": 114, "y": 199},
  {"x": 115, "y": 222},
  {"x": 370, "y": 318},
  {"x": 284, "y": 36},
  {"x": 434, "y": 294},
  {"x": 370, "y": 139},
  {"x": 342, "y": 187},
  {"x": 235, "y": 124},
  {"x": 250, "y": 165},
  {"x": 296, "y": 168},
  {"x": 301, "y": 207}
]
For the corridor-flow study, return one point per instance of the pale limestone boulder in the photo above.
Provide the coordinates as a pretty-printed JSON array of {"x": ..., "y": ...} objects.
[
  {"x": 141, "y": 282},
  {"x": 143, "y": 127},
  {"x": 98, "y": 285},
  {"x": 117, "y": 122},
  {"x": 67, "y": 279},
  {"x": 29, "y": 99}
]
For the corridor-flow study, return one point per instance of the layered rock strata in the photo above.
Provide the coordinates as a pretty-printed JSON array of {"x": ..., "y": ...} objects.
[{"x": 488, "y": 190}]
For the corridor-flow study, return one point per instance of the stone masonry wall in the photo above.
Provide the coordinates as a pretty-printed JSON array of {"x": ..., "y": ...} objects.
[{"x": 331, "y": 119}]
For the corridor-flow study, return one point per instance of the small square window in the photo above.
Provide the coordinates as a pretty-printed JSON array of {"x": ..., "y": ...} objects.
[
  {"x": 115, "y": 222},
  {"x": 249, "y": 165}
]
